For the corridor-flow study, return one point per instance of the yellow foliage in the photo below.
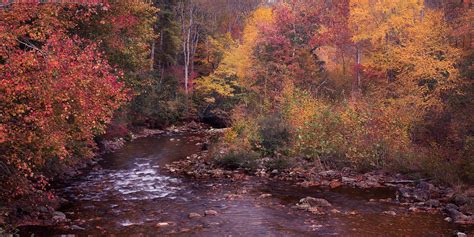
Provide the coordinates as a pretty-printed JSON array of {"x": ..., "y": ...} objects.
[
  {"x": 237, "y": 62},
  {"x": 242, "y": 57},
  {"x": 374, "y": 20}
]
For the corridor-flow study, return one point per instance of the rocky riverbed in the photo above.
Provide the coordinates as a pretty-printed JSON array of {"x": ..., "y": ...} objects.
[
  {"x": 166, "y": 184},
  {"x": 416, "y": 196}
]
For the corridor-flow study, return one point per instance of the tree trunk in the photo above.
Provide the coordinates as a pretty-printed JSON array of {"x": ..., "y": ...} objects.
[{"x": 152, "y": 57}]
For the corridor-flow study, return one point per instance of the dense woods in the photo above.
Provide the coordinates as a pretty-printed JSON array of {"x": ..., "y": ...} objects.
[{"x": 367, "y": 84}]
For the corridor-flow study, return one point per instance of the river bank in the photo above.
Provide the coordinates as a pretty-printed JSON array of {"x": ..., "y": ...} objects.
[
  {"x": 414, "y": 195},
  {"x": 45, "y": 212},
  {"x": 167, "y": 185}
]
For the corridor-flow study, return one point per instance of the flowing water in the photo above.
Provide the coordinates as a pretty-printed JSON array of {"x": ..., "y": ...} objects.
[{"x": 132, "y": 194}]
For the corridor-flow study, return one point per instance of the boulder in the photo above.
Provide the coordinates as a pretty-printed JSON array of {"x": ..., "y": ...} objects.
[
  {"x": 59, "y": 216},
  {"x": 315, "y": 202},
  {"x": 452, "y": 206},
  {"x": 459, "y": 217},
  {"x": 461, "y": 199}
]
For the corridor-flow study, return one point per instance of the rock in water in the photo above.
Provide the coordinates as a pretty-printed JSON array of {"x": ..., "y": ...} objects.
[
  {"x": 315, "y": 202},
  {"x": 433, "y": 203},
  {"x": 162, "y": 224},
  {"x": 265, "y": 195},
  {"x": 391, "y": 213},
  {"x": 193, "y": 215},
  {"x": 210, "y": 213},
  {"x": 59, "y": 216},
  {"x": 461, "y": 234},
  {"x": 335, "y": 184},
  {"x": 76, "y": 227}
]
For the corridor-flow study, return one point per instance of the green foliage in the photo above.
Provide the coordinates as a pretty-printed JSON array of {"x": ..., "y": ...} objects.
[
  {"x": 467, "y": 163},
  {"x": 279, "y": 163},
  {"x": 168, "y": 30},
  {"x": 233, "y": 160},
  {"x": 125, "y": 32},
  {"x": 159, "y": 105},
  {"x": 273, "y": 134}
]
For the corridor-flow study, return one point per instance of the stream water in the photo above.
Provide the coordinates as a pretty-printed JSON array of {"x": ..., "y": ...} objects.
[{"x": 131, "y": 195}]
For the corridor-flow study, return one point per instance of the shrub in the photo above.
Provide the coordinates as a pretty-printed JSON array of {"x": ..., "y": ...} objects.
[
  {"x": 233, "y": 160},
  {"x": 274, "y": 134},
  {"x": 279, "y": 163},
  {"x": 159, "y": 105}
]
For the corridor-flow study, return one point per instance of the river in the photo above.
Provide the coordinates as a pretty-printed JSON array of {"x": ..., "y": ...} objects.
[{"x": 132, "y": 195}]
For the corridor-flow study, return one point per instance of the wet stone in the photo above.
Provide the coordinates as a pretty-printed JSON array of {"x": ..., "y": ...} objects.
[
  {"x": 391, "y": 213},
  {"x": 163, "y": 224},
  {"x": 318, "y": 202},
  {"x": 432, "y": 203},
  {"x": 335, "y": 184},
  {"x": 194, "y": 215},
  {"x": 59, "y": 216},
  {"x": 461, "y": 234},
  {"x": 76, "y": 227},
  {"x": 265, "y": 195},
  {"x": 210, "y": 213}
]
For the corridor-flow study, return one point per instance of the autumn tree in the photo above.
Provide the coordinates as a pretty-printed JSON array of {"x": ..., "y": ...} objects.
[
  {"x": 287, "y": 49},
  {"x": 57, "y": 93}
]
